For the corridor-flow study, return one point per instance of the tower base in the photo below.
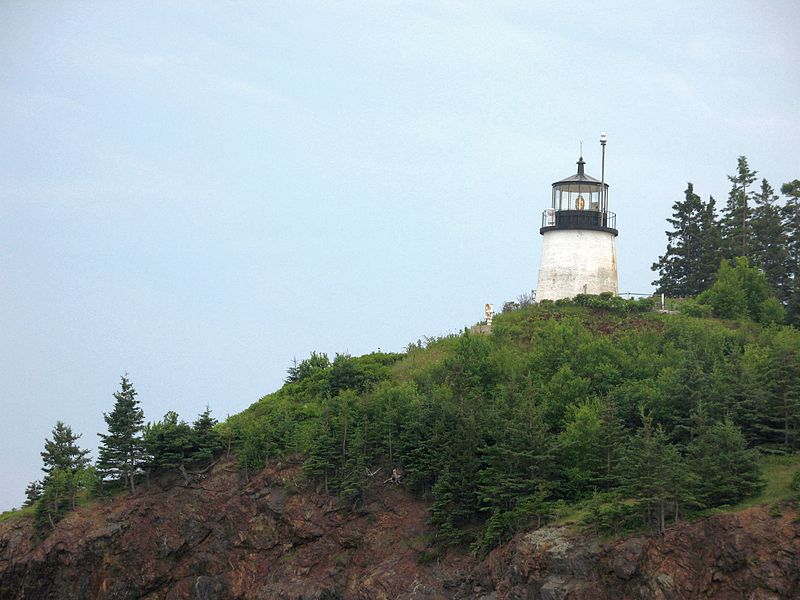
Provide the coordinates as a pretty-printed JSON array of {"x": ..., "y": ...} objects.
[{"x": 577, "y": 261}]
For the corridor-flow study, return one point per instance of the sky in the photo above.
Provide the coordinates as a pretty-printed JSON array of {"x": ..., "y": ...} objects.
[{"x": 196, "y": 193}]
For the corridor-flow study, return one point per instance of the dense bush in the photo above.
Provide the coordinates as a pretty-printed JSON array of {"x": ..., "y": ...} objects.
[
  {"x": 740, "y": 291},
  {"x": 608, "y": 301},
  {"x": 691, "y": 308}
]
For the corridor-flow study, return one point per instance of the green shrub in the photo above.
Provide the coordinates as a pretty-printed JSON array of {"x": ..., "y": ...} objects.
[
  {"x": 691, "y": 308},
  {"x": 610, "y": 302},
  {"x": 771, "y": 311},
  {"x": 608, "y": 512},
  {"x": 740, "y": 291},
  {"x": 796, "y": 485}
]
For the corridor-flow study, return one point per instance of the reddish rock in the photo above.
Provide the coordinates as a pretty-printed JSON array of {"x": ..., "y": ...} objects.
[{"x": 268, "y": 538}]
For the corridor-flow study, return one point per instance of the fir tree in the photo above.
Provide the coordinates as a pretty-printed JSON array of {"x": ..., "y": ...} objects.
[
  {"x": 53, "y": 503},
  {"x": 769, "y": 251},
  {"x": 121, "y": 450},
  {"x": 691, "y": 259},
  {"x": 736, "y": 214}
]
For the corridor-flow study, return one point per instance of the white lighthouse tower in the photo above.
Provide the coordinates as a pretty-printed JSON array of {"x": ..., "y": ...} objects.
[{"x": 579, "y": 253}]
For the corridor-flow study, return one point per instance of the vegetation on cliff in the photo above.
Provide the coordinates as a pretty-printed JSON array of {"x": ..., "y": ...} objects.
[
  {"x": 641, "y": 418},
  {"x": 596, "y": 406}
]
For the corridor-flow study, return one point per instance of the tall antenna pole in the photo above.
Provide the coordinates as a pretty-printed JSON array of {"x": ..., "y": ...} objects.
[{"x": 604, "y": 203}]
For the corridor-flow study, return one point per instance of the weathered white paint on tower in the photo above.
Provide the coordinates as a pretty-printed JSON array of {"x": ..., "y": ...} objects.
[{"x": 577, "y": 261}]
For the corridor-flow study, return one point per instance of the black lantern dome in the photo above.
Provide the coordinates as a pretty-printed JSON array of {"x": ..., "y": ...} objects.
[{"x": 579, "y": 202}]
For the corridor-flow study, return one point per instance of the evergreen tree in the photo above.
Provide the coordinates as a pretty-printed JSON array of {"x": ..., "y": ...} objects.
[
  {"x": 736, "y": 235},
  {"x": 514, "y": 480},
  {"x": 60, "y": 493},
  {"x": 32, "y": 493},
  {"x": 293, "y": 372},
  {"x": 653, "y": 473},
  {"x": 121, "y": 450},
  {"x": 582, "y": 447},
  {"x": 725, "y": 470},
  {"x": 711, "y": 244},
  {"x": 781, "y": 415},
  {"x": 168, "y": 443},
  {"x": 791, "y": 228},
  {"x": 62, "y": 452},
  {"x": 207, "y": 441},
  {"x": 691, "y": 258},
  {"x": 322, "y": 454},
  {"x": 769, "y": 252},
  {"x": 53, "y": 503},
  {"x": 741, "y": 291}
]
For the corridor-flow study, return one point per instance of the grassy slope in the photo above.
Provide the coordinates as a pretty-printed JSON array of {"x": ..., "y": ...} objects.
[
  {"x": 17, "y": 513},
  {"x": 778, "y": 471}
]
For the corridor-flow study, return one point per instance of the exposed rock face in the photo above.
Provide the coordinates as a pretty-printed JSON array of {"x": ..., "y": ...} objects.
[
  {"x": 747, "y": 555},
  {"x": 264, "y": 539}
]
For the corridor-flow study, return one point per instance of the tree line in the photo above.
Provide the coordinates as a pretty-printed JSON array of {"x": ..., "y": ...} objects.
[
  {"x": 755, "y": 224},
  {"x": 131, "y": 450}
]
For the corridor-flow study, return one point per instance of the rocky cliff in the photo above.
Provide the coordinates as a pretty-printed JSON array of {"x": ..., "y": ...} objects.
[{"x": 272, "y": 538}]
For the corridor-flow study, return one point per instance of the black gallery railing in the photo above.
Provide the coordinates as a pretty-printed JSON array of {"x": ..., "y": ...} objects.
[{"x": 578, "y": 219}]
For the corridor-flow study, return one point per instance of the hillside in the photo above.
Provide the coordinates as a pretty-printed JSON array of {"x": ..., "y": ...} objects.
[
  {"x": 586, "y": 449},
  {"x": 563, "y": 404}
]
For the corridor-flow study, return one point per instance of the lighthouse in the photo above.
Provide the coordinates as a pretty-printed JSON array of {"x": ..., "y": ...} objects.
[{"x": 579, "y": 253}]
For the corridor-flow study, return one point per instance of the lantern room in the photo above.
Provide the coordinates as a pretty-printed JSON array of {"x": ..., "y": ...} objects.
[{"x": 579, "y": 202}]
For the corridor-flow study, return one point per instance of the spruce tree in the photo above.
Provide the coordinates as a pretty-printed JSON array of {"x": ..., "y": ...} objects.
[
  {"x": 322, "y": 455},
  {"x": 710, "y": 245},
  {"x": 32, "y": 493},
  {"x": 781, "y": 417},
  {"x": 692, "y": 258},
  {"x": 513, "y": 481},
  {"x": 168, "y": 442},
  {"x": 791, "y": 228},
  {"x": 207, "y": 441},
  {"x": 769, "y": 251},
  {"x": 725, "y": 470},
  {"x": 121, "y": 450},
  {"x": 736, "y": 214},
  {"x": 653, "y": 473},
  {"x": 62, "y": 452}
]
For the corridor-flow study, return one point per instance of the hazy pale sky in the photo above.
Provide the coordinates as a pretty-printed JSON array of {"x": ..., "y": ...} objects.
[{"x": 195, "y": 193}]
